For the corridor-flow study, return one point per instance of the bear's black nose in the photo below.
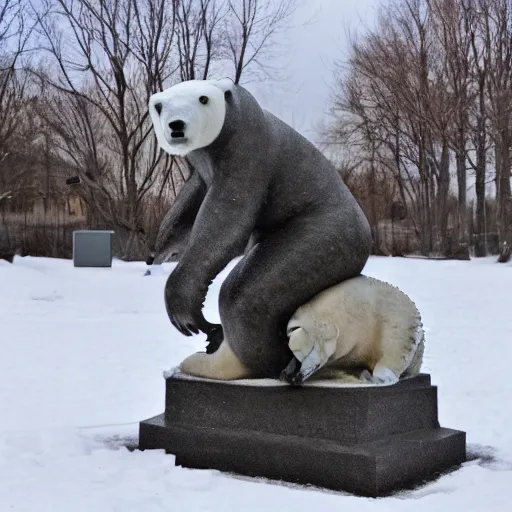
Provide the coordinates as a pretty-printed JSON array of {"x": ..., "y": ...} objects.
[{"x": 177, "y": 126}]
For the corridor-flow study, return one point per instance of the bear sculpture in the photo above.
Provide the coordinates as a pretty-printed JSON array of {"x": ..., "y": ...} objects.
[{"x": 260, "y": 180}]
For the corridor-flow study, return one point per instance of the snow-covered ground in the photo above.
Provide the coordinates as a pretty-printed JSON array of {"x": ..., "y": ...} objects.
[{"x": 82, "y": 353}]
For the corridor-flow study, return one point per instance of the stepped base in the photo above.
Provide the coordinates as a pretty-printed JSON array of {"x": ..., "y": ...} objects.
[{"x": 366, "y": 440}]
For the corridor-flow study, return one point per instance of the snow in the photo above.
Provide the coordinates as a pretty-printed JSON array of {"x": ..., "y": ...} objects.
[{"x": 82, "y": 352}]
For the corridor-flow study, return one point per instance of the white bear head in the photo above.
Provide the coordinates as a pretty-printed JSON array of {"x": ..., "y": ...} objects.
[{"x": 189, "y": 115}]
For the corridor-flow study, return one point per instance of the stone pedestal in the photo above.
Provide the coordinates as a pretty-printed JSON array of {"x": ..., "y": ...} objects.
[{"x": 366, "y": 440}]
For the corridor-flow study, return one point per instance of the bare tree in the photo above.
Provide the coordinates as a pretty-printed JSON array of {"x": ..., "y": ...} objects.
[
  {"x": 250, "y": 30},
  {"x": 451, "y": 24},
  {"x": 433, "y": 81},
  {"x": 16, "y": 128},
  {"x": 479, "y": 68},
  {"x": 497, "y": 20},
  {"x": 14, "y": 40},
  {"x": 111, "y": 56},
  {"x": 394, "y": 83},
  {"x": 199, "y": 36}
]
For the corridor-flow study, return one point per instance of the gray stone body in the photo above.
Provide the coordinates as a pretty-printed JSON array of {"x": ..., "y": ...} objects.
[
  {"x": 174, "y": 231},
  {"x": 263, "y": 180},
  {"x": 175, "y": 228}
]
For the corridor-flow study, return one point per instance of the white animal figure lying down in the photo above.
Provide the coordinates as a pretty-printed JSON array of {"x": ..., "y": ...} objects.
[{"x": 362, "y": 330}]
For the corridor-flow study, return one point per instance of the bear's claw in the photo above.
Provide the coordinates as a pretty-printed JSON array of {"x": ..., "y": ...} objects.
[
  {"x": 290, "y": 373},
  {"x": 381, "y": 376},
  {"x": 214, "y": 338},
  {"x": 296, "y": 373}
]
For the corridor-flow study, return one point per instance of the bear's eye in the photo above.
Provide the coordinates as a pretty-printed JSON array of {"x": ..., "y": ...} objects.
[
  {"x": 203, "y": 100},
  {"x": 158, "y": 108}
]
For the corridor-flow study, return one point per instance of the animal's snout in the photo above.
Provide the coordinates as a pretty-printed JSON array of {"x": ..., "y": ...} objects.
[{"x": 177, "y": 128}]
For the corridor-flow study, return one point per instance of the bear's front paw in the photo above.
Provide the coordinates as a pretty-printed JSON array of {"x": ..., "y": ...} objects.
[
  {"x": 311, "y": 354},
  {"x": 184, "y": 306}
]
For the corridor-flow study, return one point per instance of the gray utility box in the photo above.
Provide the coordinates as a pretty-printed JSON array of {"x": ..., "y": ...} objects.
[{"x": 92, "y": 248}]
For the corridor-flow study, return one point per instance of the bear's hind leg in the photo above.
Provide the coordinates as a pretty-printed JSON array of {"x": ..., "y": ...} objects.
[
  {"x": 283, "y": 271},
  {"x": 402, "y": 351},
  {"x": 221, "y": 365}
]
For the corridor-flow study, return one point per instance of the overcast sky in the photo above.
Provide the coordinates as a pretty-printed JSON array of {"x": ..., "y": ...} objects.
[{"x": 301, "y": 99}]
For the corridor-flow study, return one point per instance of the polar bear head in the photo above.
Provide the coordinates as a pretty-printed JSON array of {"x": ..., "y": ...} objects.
[{"x": 189, "y": 115}]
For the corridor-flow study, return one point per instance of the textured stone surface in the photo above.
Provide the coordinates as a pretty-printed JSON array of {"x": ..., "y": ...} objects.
[{"x": 368, "y": 440}]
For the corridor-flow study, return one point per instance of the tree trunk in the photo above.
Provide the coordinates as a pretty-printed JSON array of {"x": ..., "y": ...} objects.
[
  {"x": 462, "y": 223},
  {"x": 504, "y": 197},
  {"x": 373, "y": 209},
  {"x": 480, "y": 171},
  {"x": 425, "y": 209},
  {"x": 442, "y": 197},
  {"x": 480, "y": 242},
  {"x": 431, "y": 210}
]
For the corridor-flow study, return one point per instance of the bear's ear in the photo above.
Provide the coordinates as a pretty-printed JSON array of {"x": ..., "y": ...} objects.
[{"x": 225, "y": 84}]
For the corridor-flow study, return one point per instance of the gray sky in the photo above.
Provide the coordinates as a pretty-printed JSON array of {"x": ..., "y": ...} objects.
[{"x": 302, "y": 97}]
